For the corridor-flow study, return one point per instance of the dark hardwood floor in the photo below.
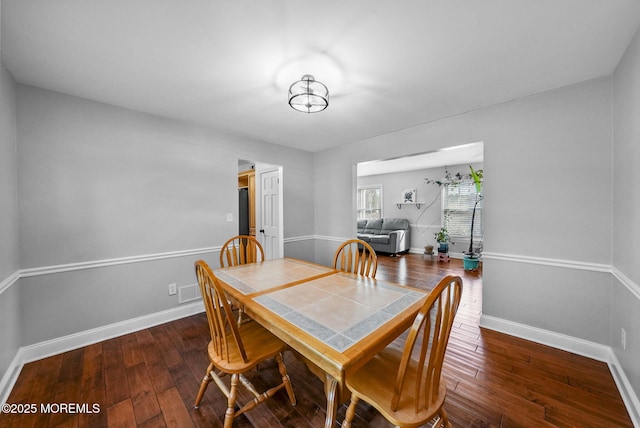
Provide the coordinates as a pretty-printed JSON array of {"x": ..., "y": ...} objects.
[{"x": 150, "y": 378}]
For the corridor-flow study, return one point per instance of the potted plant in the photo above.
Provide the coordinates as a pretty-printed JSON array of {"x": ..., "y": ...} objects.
[
  {"x": 471, "y": 258},
  {"x": 442, "y": 237},
  {"x": 428, "y": 249}
]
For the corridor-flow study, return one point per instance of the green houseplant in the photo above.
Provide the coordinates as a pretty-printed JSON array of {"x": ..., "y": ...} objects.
[
  {"x": 471, "y": 258},
  {"x": 442, "y": 237}
]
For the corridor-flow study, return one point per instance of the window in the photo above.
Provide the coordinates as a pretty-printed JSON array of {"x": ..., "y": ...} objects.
[
  {"x": 457, "y": 209},
  {"x": 370, "y": 202}
]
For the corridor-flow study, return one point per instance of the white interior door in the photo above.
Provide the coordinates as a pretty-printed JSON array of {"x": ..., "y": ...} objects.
[{"x": 270, "y": 214}]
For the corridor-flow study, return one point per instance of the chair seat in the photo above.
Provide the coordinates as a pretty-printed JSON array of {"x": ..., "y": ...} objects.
[
  {"x": 259, "y": 344},
  {"x": 378, "y": 389}
]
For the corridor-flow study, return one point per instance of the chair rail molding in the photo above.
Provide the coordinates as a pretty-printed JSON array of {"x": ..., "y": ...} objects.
[
  {"x": 299, "y": 238},
  {"x": 9, "y": 281},
  {"x": 331, "y": 238},
  {"x": 46, "y": 270},
  {"x": 633, "y": 287},
  {"x": 569, "y": 264}
]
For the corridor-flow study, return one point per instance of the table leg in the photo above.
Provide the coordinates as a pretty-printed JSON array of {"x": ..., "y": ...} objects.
[{"x": 331, "y": 391}]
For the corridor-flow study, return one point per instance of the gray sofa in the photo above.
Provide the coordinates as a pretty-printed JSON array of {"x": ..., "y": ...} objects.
[{"x": 386, "y": 235}]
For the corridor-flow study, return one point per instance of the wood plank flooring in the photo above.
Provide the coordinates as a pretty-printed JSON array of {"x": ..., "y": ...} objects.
[{"x": 150, "y": 378}]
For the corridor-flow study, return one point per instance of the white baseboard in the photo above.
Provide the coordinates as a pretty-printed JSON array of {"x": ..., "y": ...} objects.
[
  {"x": 10, "y": 376},
  {"x": 435, "y": 253},
  {"x": 577, "y": 346},
  {"x": 556, "y": 340},
  {"x": 629, "y": 397},
  {"x": 37, "y": 351}
]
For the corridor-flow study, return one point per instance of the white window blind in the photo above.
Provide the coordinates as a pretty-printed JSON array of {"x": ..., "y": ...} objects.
[
  {"x": 370, "y": 202},
  {"x": 457, "y": 208}
]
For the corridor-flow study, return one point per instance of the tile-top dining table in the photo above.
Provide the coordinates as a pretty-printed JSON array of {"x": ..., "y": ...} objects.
[{"x": 336, "y": 321}]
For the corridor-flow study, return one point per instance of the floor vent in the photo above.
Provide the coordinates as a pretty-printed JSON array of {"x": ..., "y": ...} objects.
[{"x": 188, "y": 293}]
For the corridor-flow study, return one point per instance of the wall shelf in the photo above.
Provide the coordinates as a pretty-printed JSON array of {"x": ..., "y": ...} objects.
[{"x": 417, "y": 204}]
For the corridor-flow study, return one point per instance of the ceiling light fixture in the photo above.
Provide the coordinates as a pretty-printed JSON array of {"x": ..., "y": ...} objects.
[{"x": 308, "y": 95}]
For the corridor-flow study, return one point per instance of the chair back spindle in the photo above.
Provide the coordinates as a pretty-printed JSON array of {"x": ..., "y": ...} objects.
[
  {"x": 240, "y": 250},
  {"x": 222, "y": 324},
  {"x": 433, "y": 326},
  {"x": 356, "y": 256}
]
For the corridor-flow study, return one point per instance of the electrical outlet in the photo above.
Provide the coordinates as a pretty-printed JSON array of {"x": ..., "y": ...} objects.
[
  {"x": 623, "y": 339},
  {"x": 173, "y": 289}
]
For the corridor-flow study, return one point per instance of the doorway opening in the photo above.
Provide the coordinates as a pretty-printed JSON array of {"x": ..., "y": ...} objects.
[{"x": 417, "y": 175}]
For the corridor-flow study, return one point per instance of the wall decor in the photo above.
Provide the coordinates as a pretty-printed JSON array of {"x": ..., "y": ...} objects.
[{"x": 409, "y": 196}]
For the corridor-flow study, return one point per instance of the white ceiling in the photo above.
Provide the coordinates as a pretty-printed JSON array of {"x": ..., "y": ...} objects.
[{"x": 227, "y": 64}]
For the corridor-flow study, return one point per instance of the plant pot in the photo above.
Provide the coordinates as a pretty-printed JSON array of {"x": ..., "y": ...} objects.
[
  {"x": 443, "y": 247},
  {"x": 470, "y": 262},
  {"x": 428, "y": 249}
]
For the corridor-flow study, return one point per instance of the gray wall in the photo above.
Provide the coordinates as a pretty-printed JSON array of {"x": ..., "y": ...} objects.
[
  {"x": 9, "y": 296},
  {"x": 547, "y": 192},
  {"x": 426, "y": 220},
  {"x": 100, "y": 183},
  {"x": 625, "y": 301}
]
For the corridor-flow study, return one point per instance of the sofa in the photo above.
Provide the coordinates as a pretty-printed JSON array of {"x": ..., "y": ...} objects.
[{"x": 386, "y": 235}]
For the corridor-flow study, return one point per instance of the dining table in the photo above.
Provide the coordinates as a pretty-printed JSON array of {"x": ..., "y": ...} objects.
[{"x": 335, "y": 321}]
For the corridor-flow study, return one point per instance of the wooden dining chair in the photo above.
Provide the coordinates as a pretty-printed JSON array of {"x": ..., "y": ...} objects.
[
  {"x": 356, "y": 256},
  {"x": 406, "y": 387},
  {"x": 240, "y": 250},
  {"x": 234, "y": 350}
]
